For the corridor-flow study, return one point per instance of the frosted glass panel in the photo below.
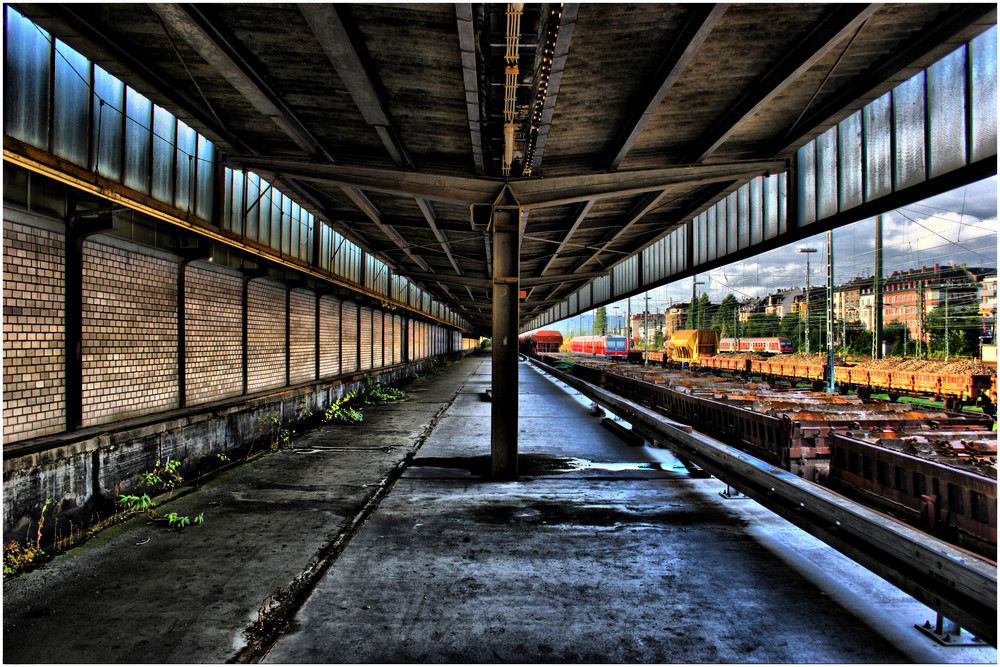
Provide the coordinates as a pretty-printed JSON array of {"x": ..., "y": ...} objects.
[
  {"x": 187, "y": 150},
  {"x": 164, "y": 136},
  {"x": 238, "y": 207},
  {"x": 732, "y": 223},
  {"x": 72, "y": 106},
  {"x": 743, "y": 216},
  {"x": 826, "y": 174},
  {"x": 946, "y": 112},
  {"x": 908, "y": 116},
  {"x": 713, "y": 232},
  {"x": 252, "y": 205},
  {"x": 26, "y": 82},
  {"x": 205, "y": 178},
  {"x": 878, "y": 147},
  {"x": 849, "y": 137},
  {"x": 756, "y": 201},
  {"x": 109, "y": 101},
  {"x": 770, "y": 197},
  {"x": 806, "y": 165},
  {"x": 983, "y": 54},
  {"x": 138, "y": 148}
]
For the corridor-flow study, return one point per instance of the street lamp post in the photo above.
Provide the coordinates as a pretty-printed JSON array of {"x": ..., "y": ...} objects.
[
  {"x": 694, "y": 297},
  {"x": 807, "y": 252}
]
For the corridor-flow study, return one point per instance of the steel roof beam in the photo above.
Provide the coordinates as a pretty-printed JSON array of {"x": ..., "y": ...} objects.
[
  {"x": 368, "y": 207},
  {"x": 838, "y": 25},
  {"x": 694, "y": 33},
  {"x": 226, "y": 58},
  {"x": 529, "y": 192},
  {"x": 957, "y": 22},
  {"x": 470, "y": 75},
  {"x": 328, "y": 25}
]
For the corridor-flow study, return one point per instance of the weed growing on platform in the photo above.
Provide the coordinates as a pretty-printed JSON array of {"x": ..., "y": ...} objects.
[
  {"x": 17, "y": 557},
  {"x": 377, "y": 393},
  {"x": 163, "y": 476},
  {"x": 339, "y": 411}
]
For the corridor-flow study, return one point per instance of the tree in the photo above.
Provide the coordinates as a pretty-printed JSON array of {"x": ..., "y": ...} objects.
[
  {"x": 961, "y": 323},
  {"x": 705, "y": 312},
  {"x": 601, "y": 321},
  {"x": 762, "y": 325},
  {"x": 692, "y": 315},
  {"x": 658, "y": 339},
  {"x": 894, "y": 333},
  {"x": 858, "y": 339},
  {"x": 790, "y": 328},
  {"x": 725, "y": 317}
]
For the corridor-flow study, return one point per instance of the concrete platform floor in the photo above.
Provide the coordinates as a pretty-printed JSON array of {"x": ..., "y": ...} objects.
[{"x": 601, "y": 552}]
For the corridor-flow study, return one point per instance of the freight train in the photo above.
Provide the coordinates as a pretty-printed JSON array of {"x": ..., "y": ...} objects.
[
  {"x": 610, "y": 347},
  {"x": 954, "y": 390},
  {"x": 537, "y": 343},
  {"x": 941, "y": 476}
]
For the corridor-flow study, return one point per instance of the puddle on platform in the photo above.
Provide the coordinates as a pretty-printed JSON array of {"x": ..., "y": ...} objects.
[{"x": 533, "y": 464}]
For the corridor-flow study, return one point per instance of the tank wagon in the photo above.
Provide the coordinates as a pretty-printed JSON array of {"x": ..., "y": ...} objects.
[{"x": 538, "y": 343}]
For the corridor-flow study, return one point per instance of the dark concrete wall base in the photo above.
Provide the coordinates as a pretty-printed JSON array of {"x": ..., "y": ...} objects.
[{"x": 82, "y": 470}]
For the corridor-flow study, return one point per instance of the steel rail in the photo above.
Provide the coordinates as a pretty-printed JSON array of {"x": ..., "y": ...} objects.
[{"x": 959, "y": 584}]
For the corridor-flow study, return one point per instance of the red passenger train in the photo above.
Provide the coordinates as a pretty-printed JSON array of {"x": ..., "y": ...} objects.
[
  {"x": 774, "y": 345},
  {"x": 611, "y": 347}
]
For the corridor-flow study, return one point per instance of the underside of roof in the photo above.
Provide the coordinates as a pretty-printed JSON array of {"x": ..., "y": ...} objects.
[{"x": 611, "y": 124}]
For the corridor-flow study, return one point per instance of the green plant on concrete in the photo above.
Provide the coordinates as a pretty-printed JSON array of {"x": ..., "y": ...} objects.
[
  {"x": 163, "y": 476},
  {"x": 176, "y": 520},
  {"x": 270, "y": 427},
  {"x": 223, "y": 458},
  {"x": 135, "y": 503},
  {"x": 16, "y": 557},
  {"x": 339, "y": 411},
  {"x": 378, "y": 393}
]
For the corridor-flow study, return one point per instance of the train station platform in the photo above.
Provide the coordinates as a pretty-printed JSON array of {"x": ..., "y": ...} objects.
[{"x": 386, "y": 542}]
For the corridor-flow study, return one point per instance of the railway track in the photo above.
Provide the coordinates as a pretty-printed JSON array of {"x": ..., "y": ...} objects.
[
  {"x": 695, "y": 418},
  {"x": 933, "y": 468}
]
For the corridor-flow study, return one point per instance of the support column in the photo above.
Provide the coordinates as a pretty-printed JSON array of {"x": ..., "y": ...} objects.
[
  {"x": 830, "y": 327},
  {"x": 80, "y": 224},
  {"x": 877, "y": 289},
  {"x": 506, "y": 257}
]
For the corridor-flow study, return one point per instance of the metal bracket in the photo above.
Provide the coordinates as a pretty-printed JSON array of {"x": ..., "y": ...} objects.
[
  {"x": 948, "y": 633},
  {"x": 732, "y": 494}
]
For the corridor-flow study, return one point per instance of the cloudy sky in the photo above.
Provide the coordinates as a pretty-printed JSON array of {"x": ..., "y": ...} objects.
[{"x": 957, "y": 227}]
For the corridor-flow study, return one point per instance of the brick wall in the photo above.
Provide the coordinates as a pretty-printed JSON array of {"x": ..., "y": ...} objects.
[
  {"x": 34, "y": 372},
  {"x": 366, "y": 338},
  {"x": 329, "y": 336},
  {"x": 129, "y": 331},
  {"x": 349, "y": 337},
  {"x": 213, "y": 346},
  {"x": 377, "y": 321},
  {"x": 265, "y": 336},
  {"x": 302, "y": 314},
  {"x": 397, "y": 339}
]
